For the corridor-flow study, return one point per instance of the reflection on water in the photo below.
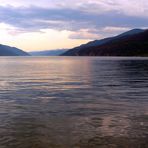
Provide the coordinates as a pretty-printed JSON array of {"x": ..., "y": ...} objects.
[{"x": 73, "y": 102}]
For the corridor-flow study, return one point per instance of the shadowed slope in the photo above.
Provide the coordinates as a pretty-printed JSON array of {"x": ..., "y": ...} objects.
[
  {"x": 11, "y": 51},
  {"x": 131, "y": 43}
]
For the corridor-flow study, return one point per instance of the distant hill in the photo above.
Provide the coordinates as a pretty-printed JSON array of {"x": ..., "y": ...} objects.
[
  {"x": 11, "y": 51},
  {"x": 48, "y": 52},
  {"x": 131, "y": 43}
]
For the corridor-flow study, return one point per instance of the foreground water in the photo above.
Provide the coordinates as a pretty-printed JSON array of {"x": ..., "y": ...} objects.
[{"x": 73, "y": 102}]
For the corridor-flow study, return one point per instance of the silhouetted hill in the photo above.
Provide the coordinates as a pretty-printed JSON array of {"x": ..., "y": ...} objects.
[
  {"x": 131, "y": 32},
  {"x": 48, "y": 52},
  {"x": 131, "y": 43},
  {"x": 11, "y": 51}
]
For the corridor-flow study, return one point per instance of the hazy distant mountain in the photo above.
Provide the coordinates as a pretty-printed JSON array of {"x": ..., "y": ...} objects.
[
  {"x": 11, "y": 51},
  {"x": 48, "y": 52},
  {"x": 113, "y": 46}
]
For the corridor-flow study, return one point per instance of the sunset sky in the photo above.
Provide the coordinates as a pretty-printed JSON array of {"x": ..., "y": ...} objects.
[{"x": 55, "y": 24}]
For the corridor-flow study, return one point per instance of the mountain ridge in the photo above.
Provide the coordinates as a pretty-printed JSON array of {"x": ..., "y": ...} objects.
[
  {"x": 87, "y": 49},
  {"x": 11, "y": 51}
]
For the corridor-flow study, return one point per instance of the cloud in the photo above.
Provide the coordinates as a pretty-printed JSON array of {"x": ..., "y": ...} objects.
[
  {"x": 98, "y": 33},
  {"x": 86, "y": 18},
  {"x": 85, "y": 34},
  {"x": 132, "y": 7},
  {"x": 127, "y": 7},
  {"x": 115, "y": 29},
  {"x": 40, "y": 18}
]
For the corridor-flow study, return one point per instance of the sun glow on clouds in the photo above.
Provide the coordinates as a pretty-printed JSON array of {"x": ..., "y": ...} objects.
[
  {"x": 85, "y": 34},
  {"x": 29, "y": 41}
]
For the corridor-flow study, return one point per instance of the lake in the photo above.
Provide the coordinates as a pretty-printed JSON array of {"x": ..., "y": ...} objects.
[{"x": 73, "y": 102}]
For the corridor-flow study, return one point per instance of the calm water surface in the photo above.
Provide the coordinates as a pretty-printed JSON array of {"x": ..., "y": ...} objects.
[{"x": 73, "y": 102}]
